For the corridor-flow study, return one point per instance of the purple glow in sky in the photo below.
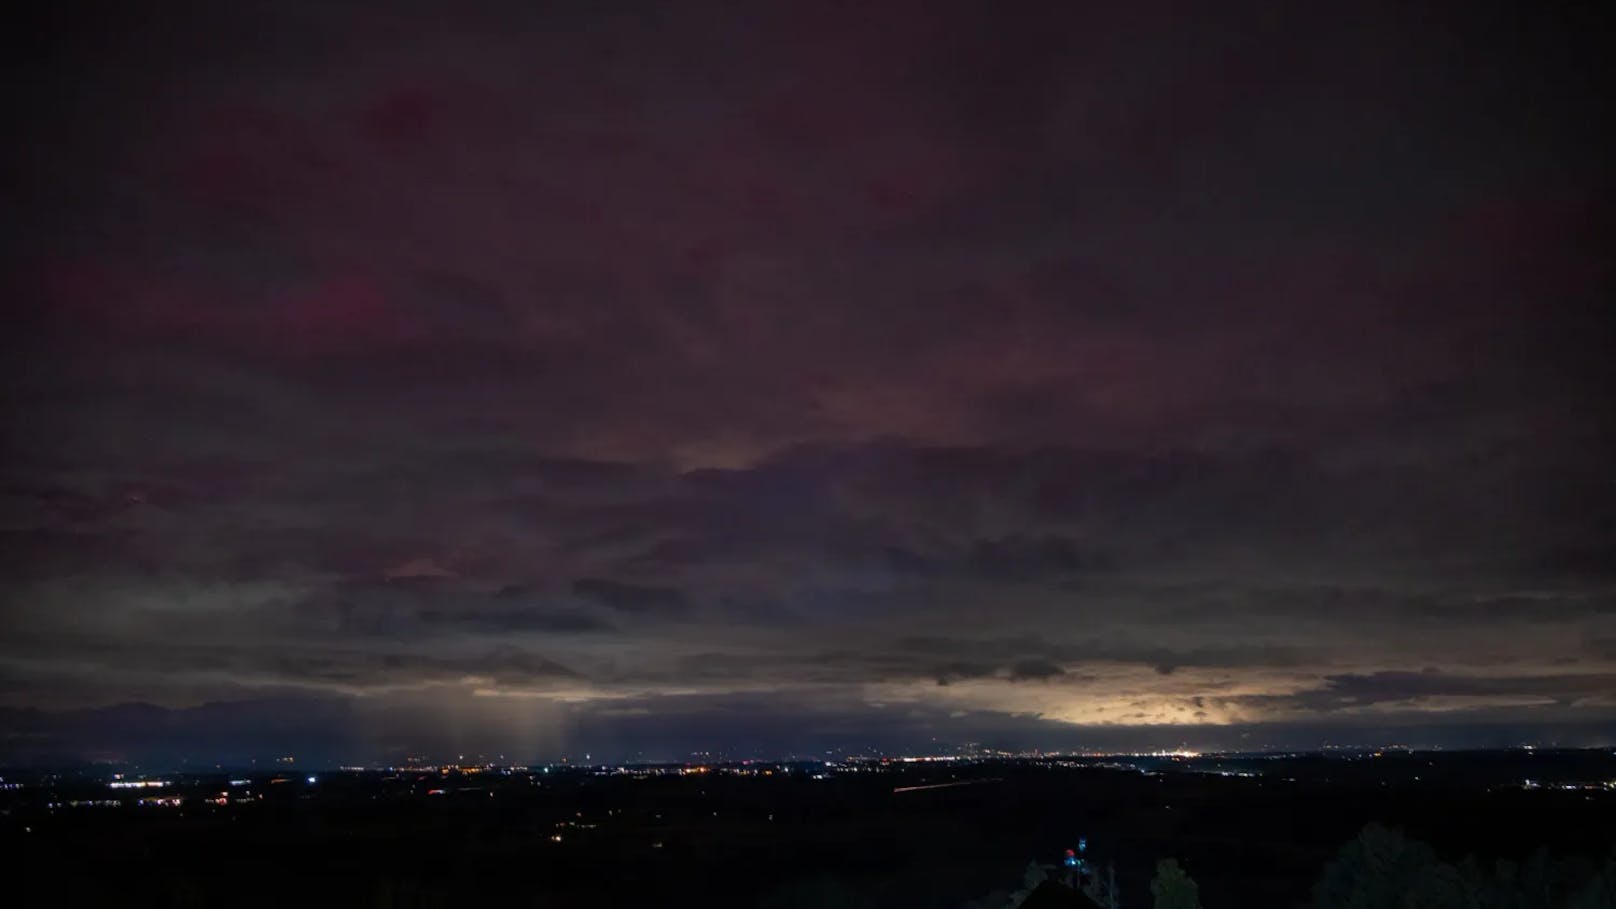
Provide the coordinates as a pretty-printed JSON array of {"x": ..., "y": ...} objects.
[{"x": 657, "y": 376}]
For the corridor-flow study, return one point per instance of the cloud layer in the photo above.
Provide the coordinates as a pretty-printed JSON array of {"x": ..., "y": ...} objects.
[{"x": 1046, "y": 376}]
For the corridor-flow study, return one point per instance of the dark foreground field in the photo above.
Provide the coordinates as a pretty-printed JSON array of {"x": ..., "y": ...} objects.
[{"x": 573, "y": 839}]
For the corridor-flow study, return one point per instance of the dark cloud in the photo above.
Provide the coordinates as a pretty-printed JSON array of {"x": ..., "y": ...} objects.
[
  {"x": 1162, "y": 660},
  {"x": 949, "y": 673},
  {"x": 632, "y": 599},
  {"x": 1167, "y": 662},
  {"x": 1221, "y": 366},
  {"x": 1358, "y": 692},
  {"x": 1034, "y": 669},
  {"x": 519, "y": 620}
]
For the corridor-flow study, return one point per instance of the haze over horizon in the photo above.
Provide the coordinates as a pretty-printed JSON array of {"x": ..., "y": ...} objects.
[{"x": 544, "y": 378}]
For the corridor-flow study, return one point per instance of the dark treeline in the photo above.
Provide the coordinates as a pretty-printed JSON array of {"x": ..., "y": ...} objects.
[
  {"x": 1380, "y": 869},
  {"x": 1383, "y": 867}
]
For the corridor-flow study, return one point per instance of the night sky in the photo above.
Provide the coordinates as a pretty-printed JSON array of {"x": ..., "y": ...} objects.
[{"x": 633, "y": 379}]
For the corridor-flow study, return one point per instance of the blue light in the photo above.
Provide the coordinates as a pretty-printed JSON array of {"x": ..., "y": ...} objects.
[
  {"x": 311, "y": 781},
  {"x": 1082, "y": 843}
]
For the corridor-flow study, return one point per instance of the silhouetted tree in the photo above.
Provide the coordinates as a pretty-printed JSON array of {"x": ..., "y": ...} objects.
[
  {"x": 1172, "y": 888},
  {"x": 1383, "y": 868},
  {"x": 1103, "y": 890},
  {"x": 1378, "y": 870},
  {"x": 1600, "y": 890},
  {"x": 1443, "y": 886}
]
